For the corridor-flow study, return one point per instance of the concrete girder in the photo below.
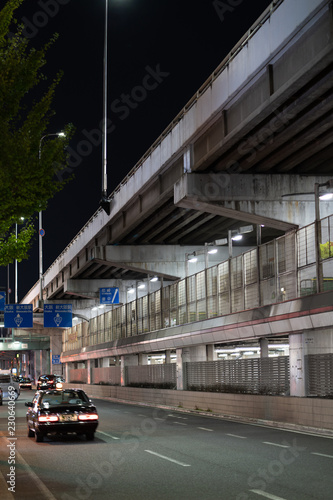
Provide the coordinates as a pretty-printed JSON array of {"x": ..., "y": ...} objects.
[
  {"x": 271, "y": 136},
  {"x": 236, "y": 196}
]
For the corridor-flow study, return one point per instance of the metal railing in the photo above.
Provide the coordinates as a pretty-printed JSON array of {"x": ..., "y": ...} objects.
[{"x": 282, "y": 269}]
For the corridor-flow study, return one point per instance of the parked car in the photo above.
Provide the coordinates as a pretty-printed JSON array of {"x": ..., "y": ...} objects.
[
  {"x": 25, "y": 383},
  {"x": 61, "y": 411},
  {"x": 0, "y": 396},
  {"x": 7, "y": 380},
  {"x": 49, "y": 382}
]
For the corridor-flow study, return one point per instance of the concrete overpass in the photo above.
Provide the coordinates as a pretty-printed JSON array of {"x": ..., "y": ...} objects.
[{"x": 252, "y": 147}]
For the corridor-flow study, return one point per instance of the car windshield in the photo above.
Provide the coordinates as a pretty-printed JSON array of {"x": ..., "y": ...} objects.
[
  {"x": 4, "y": 379},
  {"x": 63, "y": 398}
]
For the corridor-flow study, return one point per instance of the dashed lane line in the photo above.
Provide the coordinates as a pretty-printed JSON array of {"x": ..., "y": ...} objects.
[
  {"x": 321, "y": 454},
  {"x": 276, "y": 444},
  {"x": 109, "y": 435},
  {"x": 168, "y": 458},
  {"x": 267, "y": 495},
  {"x": 204, "y": 429},
  {"x": 237, "y": 436}
]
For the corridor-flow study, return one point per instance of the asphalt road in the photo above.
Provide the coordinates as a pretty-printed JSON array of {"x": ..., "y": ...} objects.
[{"x": 147, "y": 453}]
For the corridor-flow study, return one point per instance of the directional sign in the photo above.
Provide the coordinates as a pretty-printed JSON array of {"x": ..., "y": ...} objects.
[
  {"x": 109, "y": 296},
  {"x": 2, "y": 301},
  {"x": 57, "y": 315},
  {"x": 18, "y": 316},
  {"x": 56, "y": 359}
]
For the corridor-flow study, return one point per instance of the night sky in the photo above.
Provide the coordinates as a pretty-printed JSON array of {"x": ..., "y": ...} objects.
[{"x": 159, "y": 54}]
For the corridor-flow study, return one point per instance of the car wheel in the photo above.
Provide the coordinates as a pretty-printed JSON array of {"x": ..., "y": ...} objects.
[
  {"x": 39, "y": 437},
  {"x": 30, "y": 433},
  {"x": 90, "y": 436}
]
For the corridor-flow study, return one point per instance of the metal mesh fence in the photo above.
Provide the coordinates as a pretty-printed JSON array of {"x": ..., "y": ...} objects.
[
  {"x": 276, "y": 271},
  {"x": 320, "y": 374},
  {"x": 252, "y": 376},
  {"x": 151, "y": 375}
]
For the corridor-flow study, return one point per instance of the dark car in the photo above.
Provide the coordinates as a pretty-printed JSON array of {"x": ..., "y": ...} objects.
[
  {"x": 61, "y": 412},
  {"x": 25, "y": 383},
  {"x": 1, "y": 394},
  {"x": 49, "y": 382}
]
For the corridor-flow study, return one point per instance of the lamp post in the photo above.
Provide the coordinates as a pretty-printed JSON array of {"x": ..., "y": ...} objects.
[
  {"x": 40, "y": 226},
  {"x": 105, "y": 202}
]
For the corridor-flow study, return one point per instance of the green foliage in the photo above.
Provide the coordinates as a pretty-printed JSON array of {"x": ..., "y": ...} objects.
[{"x": 30, "y": 168}]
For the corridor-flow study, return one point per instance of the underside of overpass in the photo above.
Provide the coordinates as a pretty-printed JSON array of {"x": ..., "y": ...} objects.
[
  {"x": 253, "y": 161},
  {"x": 239, "y": 154}
]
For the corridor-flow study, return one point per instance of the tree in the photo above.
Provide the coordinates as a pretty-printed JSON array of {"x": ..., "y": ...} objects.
[{"x": 27, "y": 181}]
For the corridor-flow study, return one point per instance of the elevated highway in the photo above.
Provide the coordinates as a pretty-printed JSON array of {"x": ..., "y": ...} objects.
[{"x": 252, "y": 149}]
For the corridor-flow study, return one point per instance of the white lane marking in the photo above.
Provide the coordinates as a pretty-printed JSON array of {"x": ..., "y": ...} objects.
[
  {"x": 276, "y": 444},
  {"x": 5, "y": 494},
  {"x": 168, "y": 458},
  {"x": 267, "y": 495},
  {"x": 321, "y": 454},
  {"x": 236, "y": 436},
  {"x": 204, "y": 429},
  {"x": 109, "y": 435},
  {"x": 179, "y": 423}
]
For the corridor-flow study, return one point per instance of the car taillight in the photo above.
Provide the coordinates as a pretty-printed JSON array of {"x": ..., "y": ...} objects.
[
  {"x": 88, "y": 416},
  {"x": 48, "y": 418}
]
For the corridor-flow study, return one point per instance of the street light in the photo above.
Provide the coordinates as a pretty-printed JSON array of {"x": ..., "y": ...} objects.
[
  {"x": 105, "y": 202},
  {"x": 40, "y": 226}
]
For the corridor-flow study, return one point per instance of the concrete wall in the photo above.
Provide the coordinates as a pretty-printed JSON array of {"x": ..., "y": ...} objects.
[{"x": 290, "y": 412}]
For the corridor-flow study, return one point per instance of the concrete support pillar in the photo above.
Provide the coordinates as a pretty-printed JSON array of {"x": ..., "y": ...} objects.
[
  {"x": 211, "y": 352},
  {"x": 55, "y": 349},
  {"x": 67, "y": 375},
  {"x": 263, "y": 348},
  {"x": 179, "y": 369},
  {"x": 297, "y": 368},
  {"x": 90, "y": 364},
  {"x": 143, "y": 359},
  {"x": 127, "y": 360},
  {"x": 197, "y": 353},
  {"x": 167, "y": 357},
  {"x": 105, "y": 362},
  {"x": 41, "y": 364}
]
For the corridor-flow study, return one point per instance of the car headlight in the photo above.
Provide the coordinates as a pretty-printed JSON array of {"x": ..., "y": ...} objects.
[{"x": 59, "y": 385}]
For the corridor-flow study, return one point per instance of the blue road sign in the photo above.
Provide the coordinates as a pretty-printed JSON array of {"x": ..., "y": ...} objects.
[
  {"x": 2, "y": 301},
  {"x": 109, "y": 296},
  {"x": 18, "y": 316},
  {"x": 57, "y": 315},
  {"x": 56, "y": 359}
]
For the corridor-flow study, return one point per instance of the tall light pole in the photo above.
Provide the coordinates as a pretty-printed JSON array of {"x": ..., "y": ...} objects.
[
  {"x": 40, "y": 225},
  {"x": 105, "y": 202}
]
